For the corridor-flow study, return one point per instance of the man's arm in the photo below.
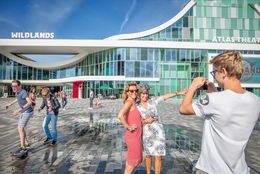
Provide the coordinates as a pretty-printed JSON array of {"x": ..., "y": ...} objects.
[
  {"x": 10, "y": 104},
  {"x": 186, "y": 105},
  {"x": 29, "y": 102}
]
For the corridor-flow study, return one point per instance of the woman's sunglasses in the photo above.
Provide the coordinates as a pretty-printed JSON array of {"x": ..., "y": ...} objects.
[{"x": 132, "y": 91}]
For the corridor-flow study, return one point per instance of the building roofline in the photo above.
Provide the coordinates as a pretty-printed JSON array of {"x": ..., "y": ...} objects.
[
  {"x": 84, "y": 47},
  {"x": 186, "y": 8}
]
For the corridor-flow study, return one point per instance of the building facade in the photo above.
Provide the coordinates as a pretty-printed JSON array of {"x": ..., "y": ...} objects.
[{"x": 168, "y": 57}]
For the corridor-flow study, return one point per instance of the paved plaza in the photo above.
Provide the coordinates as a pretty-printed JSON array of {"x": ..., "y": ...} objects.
[{"x": 92, "y": 141}]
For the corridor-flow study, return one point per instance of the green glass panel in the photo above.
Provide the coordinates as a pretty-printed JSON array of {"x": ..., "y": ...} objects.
[
  {"x": 165, "y": 67},
  {"x": 244, "y": 12},
  {"x": 251, "y": 33},
  {"x": 198, "y": 11},
  {"x": 224, "y": 12},
  {"x": 201, "y": 33},
  {"x": 210, "y": 34},
  {"x": 199, "y": 22},
  {"x": 250, "y": 13},
  {"x": 127, "y": 54},
  {"x": 241, "y": 33},
  {"x": 251, "y": 24},
  {"x": 208, "y": 11},
  {"x": 231, "y": 33},
  {"x": 185, "y": 21},
  {"x": 256, "y": 22},
  {"x": 219, "y": 32},
  {"x": 143, "y": 54},
  {"x": 227, "y": 23},
  {"x": 191, "y": 33},
  {"x": 173, "y": 73},
  {"x": 217, "y": 23},
  {"x": 219, "y": 12},
  {"x": 213, "y": 22},
  {"x": 240, "y": 13},
  {"x": 240, "y": 23},
  {"x": 208, "y": 22},
  {"x": 233, "y": 23},
  {"x": 195, "y": 22},
  {"x": 174, "y": 32},
  {"x": 204, "y": 12}
]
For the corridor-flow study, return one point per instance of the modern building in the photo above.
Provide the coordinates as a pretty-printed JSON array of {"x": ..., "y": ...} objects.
[{"x": 167, "y": 57}]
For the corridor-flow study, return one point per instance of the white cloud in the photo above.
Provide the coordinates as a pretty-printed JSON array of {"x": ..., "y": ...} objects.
[
  {"x": 46, "y": 15},
  {"x": 9, "y": 22},
  {"x": 128, "y": 14}
]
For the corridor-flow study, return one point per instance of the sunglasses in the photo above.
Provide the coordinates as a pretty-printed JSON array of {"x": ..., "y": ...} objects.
[
  {"x": 14, "y": 86},
  {"x": 132, "y": 91},
  {"x": 213, "y": 73}
]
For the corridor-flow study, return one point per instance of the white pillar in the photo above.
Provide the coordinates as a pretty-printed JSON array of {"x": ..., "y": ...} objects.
[{"x": 80, "y": 92}]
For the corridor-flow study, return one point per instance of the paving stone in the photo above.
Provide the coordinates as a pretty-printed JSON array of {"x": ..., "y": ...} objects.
[{"x": 92, "y": 141}]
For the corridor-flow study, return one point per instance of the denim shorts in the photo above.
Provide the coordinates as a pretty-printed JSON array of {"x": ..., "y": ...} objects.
[{"x": 24, "y": 118}]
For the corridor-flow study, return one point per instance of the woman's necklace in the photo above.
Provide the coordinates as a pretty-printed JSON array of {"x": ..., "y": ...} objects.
[{"x": 144, "y": 105}]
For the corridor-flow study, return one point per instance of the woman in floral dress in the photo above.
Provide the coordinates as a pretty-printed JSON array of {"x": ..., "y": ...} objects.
[{"x": 153, "y": 132}]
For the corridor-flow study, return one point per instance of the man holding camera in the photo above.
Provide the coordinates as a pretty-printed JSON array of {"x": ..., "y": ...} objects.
[{"x": 230, "y": 116}]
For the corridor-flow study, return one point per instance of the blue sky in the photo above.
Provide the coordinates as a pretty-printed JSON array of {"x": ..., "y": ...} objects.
[{"x": 84, "y": 19}]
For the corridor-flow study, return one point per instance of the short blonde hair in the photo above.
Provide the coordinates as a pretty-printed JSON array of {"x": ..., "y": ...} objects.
[
  {"x": 232, "y": 61},
  {"x": 45, "y": 91},
  {"x": 126, "y": 89}
]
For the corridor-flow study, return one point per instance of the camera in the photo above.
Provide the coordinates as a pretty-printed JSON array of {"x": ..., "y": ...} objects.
[{"x": 204, "y": 87}]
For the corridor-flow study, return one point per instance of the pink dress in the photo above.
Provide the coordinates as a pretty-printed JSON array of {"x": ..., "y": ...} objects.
[{"x": 133, "y": 139}]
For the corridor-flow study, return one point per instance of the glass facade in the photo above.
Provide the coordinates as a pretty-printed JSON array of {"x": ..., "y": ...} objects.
[
  {"x": 208, "y": 20},
  {"x": 175, "y": 68}
]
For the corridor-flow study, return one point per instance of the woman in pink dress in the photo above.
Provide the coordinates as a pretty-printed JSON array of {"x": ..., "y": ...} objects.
[{"x": 131, "y": 119}]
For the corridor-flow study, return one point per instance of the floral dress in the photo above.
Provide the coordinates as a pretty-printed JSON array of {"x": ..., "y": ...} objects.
[{"x": 153, "y": 134}]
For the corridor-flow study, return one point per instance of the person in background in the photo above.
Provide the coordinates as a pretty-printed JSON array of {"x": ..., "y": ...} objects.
[
  {"x": 64, "y": 99},
  {"x": 98, "y": 101},
  {"x": 32, "y": 96},
  {"x": 52, "y": 107},
  {"x": 91, "y": 97},
  {"x": 25, "y": 111},
  {"x": 153, "y": 132},
  {"x": 230, "y": 116},
  {"x": 131, "y": 119}
]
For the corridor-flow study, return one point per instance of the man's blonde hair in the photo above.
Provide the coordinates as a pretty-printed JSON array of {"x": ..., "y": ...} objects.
[
  {"x": 45, "y": 91},
  {"x": 232, "y": 61}
]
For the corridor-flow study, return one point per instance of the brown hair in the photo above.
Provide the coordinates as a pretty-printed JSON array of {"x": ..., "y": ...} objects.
[
  {"x": 32, "y": 89},
  {"x": 45, "y": 91},
  {"x": 126, "y": 89},
  {"x": 232, "y": 61},
  {"x": 17, "y": 81}
]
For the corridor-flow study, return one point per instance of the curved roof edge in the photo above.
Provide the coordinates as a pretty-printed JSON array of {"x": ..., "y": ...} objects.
[
  {"x": 48, "y": 65},
  {"x": 187, "y": 7}
]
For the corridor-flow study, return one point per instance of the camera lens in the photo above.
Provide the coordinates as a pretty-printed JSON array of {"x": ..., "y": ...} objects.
[{"x": 205, "y": 86}]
